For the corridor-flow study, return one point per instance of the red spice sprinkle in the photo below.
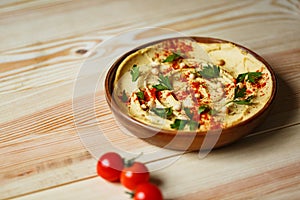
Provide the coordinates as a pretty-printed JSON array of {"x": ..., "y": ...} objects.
[
  {"x": 181, "y": 95},
  {"x": 128, "y": 102},
  {"x": 185, "y": 47},
  {"x": 204, "y": 116},
  {"x": 176, "y": 45},
  {"x": 146, "y": 96},
  {"x": 195, "y": 85},
  {"x": 150, "y": 96},
  {"x": 175, "y": 65},
  {"x": 262, "y": 85},
  {"x": 168, "y": 70},
  {"x": 183, "y": 78},
  {"x": 153, "y": 92},
  {"x": 158, "y": 94},
  {"x": 248, "y": 91}
]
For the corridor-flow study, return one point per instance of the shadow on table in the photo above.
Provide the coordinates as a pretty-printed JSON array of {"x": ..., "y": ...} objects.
[{"x": 285, "y": 101}]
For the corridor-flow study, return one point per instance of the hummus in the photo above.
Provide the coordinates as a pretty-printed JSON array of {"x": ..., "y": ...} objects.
[{"x": 181, "y": 84}]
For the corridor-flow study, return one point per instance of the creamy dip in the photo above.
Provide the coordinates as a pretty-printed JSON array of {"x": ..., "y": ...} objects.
[{"x": 186, "y": 85}]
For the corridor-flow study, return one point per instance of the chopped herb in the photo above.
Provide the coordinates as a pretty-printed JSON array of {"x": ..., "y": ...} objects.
[
  {"x": 213, "y": 112},
  {"x": 246, "y": 101},
  {"x": 179, "y": 124},
  {"x": 241, "y": 77},
  {"x": 252, "y": 77},
  {"x": 140, "y": 95},
  {"x": 188, "y": 112},
  {"x": 163, "y": 112},
  {"x": 203, "y": 108},
  {"x": 164, "y": 83},
  {"x": 173, "y": 57},
  {"x": 124, "y": 97},
  {"x": 193, "y": 125},
  {"x": 239, "y": 92},
  {"x": 160, "y": 87},
  {"x": 134, "y": 73},
  {"x": 210, "y": 71}
]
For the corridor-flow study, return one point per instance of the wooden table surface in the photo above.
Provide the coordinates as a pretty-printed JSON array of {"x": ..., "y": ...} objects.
[{"x": 49, "y": 151}]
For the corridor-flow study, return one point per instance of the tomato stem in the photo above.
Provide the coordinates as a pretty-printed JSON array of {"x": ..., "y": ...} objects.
[
  {"x": 129, "y": 163},
  {"x": 130, "y": 193}
]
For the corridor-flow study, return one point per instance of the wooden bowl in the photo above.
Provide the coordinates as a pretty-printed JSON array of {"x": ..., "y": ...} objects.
[{"x": 185, "y": 140}]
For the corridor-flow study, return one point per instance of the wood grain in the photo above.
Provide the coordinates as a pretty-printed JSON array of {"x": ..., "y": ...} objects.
[
  {"x": 45, "y": 43},
  {"x": 237, "y": 180}
]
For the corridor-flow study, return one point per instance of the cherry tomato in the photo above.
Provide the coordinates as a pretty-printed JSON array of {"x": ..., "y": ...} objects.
[
  {"x": 134, "y": 175},
  {"x": 110, "y": 166},
  {"x": 147, "y": 191}
]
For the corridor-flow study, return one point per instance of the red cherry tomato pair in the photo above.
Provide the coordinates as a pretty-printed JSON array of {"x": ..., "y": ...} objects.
[
  {"x": 134, "y": 177},
  {"x": 111, "y": 167}
]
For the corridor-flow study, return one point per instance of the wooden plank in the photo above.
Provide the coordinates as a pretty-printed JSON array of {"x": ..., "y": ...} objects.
[
  {"x": 261, "y": 185},
  {"x": 262, "y": 168},
  {"x": 107, "y": 17},
  {"x": 38, "y": 67},
  {"x": 216, "y": 19}
]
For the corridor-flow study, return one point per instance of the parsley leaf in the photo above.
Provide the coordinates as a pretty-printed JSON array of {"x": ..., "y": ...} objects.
[
  {"x": 134, "y": 73},
  {"x": 245, "y": 101},
  {"x": 173, "y": 57},
  {"x": 239, "y": 92},
  {"x": 210, "y": 71},
  {"x": 160, "y": 87},
  {"x": 203, "y": 108},
  {"x": 163, "y": 112},
  {"x": 164, "y": 83},
  {"x": 188, "y": 112},
  {"x": 140, "y": 95},
  {"x": 179, "y": 124},
  {"x": 124, "y": 97},
  {"x": 252, "y": 77},
  {"x": 193, "y": 125},
  {"x": 213, "y": 112},
  {"x": 241, "y": 77}
]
